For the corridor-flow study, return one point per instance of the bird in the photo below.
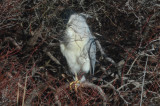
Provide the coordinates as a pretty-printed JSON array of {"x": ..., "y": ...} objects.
[{"x": 78, "y": 45}]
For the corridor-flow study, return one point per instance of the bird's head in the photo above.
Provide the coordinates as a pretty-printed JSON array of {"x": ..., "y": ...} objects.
[{"x": 75, "y": 24}]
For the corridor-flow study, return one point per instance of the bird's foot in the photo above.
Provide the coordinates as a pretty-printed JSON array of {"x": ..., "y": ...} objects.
[{"x": 75, "y": 84}]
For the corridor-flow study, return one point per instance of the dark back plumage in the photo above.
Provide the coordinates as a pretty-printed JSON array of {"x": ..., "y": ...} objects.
[{"x": 65, "y": 15}]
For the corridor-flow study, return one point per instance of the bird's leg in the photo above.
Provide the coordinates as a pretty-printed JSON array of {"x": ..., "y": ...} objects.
[{"x": 75, "y": 82}]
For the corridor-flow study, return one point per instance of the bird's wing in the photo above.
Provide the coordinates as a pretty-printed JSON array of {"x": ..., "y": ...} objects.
[{"x": 92, "y": 54}]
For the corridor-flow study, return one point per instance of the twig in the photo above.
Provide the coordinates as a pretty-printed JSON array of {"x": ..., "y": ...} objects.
[
  {"x": 59, "y": 91},
  {"x": 24, "y": 91},
  {"x": 148, "y": 27},
  {"x": 110, "y": 84},
  {"x": 143, "y": 81},
  {"x": 118, "y": 66},
  {"x": 96, "y": 87},
  {"x": 34, "y": 94},
  {"x": 35, "y": 35},
  {"x": 57, "y": 100},
  {"x": 18, "y": 94},
  {"x": 82, "y": 85},
  {"x": 53, "y": 58},
  {"x": 13, "y": 42},
  {"x": 132, "y": 64},
  {"x": 156, "y": 40},
  {"x": 103, "y": 54},
  {"x": 86, "y": 15}
]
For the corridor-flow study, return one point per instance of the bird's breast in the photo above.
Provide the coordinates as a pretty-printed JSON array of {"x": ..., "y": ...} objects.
[{"x": 76, "y": 41}]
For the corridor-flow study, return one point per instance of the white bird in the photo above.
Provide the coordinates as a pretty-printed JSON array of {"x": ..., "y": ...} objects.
[{"x": 78, "y": 45}]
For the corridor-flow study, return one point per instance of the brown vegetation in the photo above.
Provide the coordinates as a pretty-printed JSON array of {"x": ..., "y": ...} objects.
[{"x": 34, "y": 72}]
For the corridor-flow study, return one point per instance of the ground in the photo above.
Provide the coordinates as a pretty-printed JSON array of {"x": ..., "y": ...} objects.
[{"x": 34, "y": 72}]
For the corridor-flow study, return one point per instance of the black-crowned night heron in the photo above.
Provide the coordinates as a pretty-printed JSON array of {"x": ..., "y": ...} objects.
[{"x": 78, "y": 44}]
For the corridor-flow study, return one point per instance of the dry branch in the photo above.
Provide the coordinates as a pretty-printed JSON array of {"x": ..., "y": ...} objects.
[
  {"x": 61, "y": 90},
  {"x": 34, "y": 94},
  {"x": 53, "y": 58},
  {"x": 13, "y": 42},
  {"x": 104, "y": 55}
]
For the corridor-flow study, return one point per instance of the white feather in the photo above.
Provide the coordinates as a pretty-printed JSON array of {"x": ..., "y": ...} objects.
[{"x": 76, "y": 44}]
